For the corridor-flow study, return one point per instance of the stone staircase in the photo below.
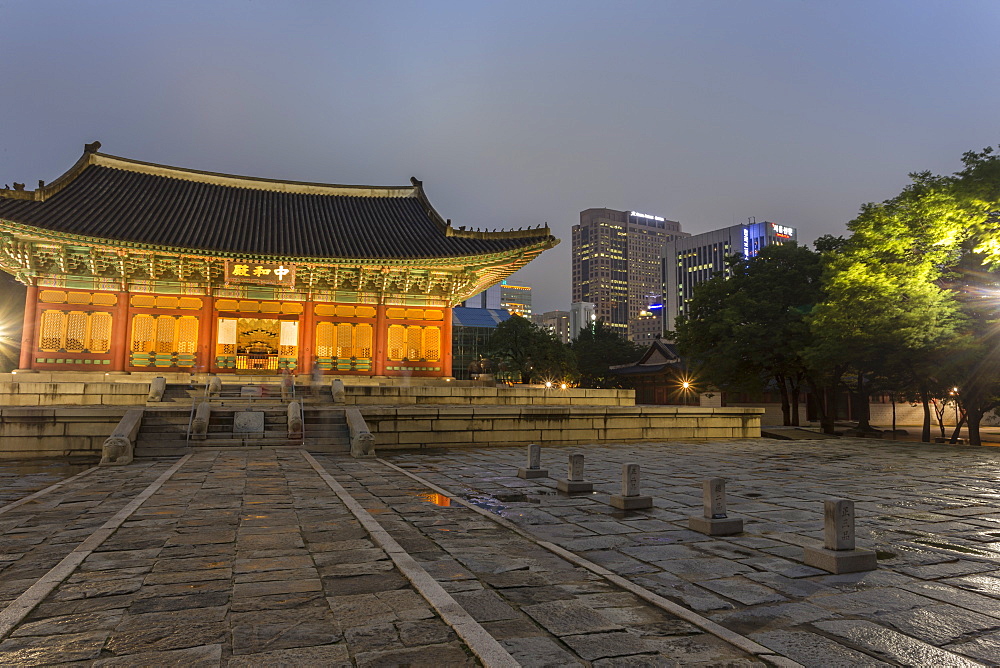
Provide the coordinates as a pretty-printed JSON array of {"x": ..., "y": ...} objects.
[
  {"x": 164, "y": 430},
  {"x": 326, "y": 430},
  {"x": 270, "y": 395}
]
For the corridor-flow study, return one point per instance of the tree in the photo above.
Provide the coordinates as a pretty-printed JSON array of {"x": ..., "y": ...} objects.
[
  {"x": 597, "y": 349},
  {"x": 748, "y": 331},
  {"x": 522, "y": 351},
  {"x": 908, "y": 294}
]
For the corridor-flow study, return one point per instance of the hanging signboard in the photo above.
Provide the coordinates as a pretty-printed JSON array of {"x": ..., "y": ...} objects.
[{"x": 267, "y": 273}]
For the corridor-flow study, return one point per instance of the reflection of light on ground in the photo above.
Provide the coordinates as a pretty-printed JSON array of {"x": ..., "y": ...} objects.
[{"x": 436, "y": 499}]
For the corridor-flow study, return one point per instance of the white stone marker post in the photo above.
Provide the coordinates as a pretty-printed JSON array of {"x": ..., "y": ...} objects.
[
  {"x": 714, "y": 521},
  {"x": 574, "y": 482},
  {"x": 630, "y": 499},
  {"x": 534, "y": 468},
  {"x": 838, "y": 554}
]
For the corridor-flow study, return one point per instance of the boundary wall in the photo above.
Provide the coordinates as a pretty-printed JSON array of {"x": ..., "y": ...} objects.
[
  {"x": 56, "y": 433},
  {"x": 398, "y": 428}
]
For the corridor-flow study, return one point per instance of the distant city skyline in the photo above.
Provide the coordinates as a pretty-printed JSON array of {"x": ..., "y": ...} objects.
[{"x": 519, "y": 113}]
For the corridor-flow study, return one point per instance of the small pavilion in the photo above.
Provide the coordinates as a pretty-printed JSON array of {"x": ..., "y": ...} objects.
[{"x": 134, "y": 266}]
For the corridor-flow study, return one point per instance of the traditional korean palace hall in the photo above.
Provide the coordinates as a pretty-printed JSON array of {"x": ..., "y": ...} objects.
[{"x": 133, "y": 266}]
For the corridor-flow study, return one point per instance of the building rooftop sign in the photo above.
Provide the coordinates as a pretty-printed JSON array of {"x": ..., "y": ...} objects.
[{"x": 645, "y": 215}]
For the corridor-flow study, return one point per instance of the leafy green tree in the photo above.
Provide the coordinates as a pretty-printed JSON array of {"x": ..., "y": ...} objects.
[
  {"x": 908, "y": 294},
  {"x": 521, "y": 351},
  {"x": 597, "y": 349},
  {"x": 748, "y": 331}
]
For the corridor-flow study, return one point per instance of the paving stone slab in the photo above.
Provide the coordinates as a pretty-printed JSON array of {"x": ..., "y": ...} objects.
[
  {"x": 72, "y": 623},
  {"x": 53, "y": 649},
  {"x": 447, "y": 654},
  {"x": 204, "y": 656},
  {"x": 892, "y": 645},
  {"x": 569, "y": 618},
  {"x": 940, "y": 624},
  {"x": 811, "y": 649},
  {"x": 335, "y": 656},
  {"x": 535, "y": 652}
]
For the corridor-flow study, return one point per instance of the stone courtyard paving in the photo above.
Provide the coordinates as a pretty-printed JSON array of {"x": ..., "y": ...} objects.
[
  {"x": 254, "y": 558},
  {"x": 932, "y": 513}
]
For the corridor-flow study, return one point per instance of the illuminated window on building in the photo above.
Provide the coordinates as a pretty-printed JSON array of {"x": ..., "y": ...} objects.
[
  {"x": 343, "y": 340},
  {"x": 75, "y": 332},
  {"x": 414, "y": 343},
  {"x": 164, "y": 336}
]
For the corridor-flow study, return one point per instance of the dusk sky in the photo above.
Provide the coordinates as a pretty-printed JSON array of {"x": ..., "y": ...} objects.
[{"x": 516, "y": 114}]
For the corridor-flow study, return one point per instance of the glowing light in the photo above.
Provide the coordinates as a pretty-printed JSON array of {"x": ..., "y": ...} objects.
[
  {"x": 686, "y": 385},
  {"x": 563, "y": 386},
  {"x": 548, "y": 384}
]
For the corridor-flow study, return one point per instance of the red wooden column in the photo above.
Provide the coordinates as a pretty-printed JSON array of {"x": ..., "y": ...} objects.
[
  {"x": 446, "y": 344},
  {"x": 381, "y": 341},
  {"x": 206, "y": 345},
  {"x": 120, "y": 344},
  {"x": 307, "y": 323},
  {"x": 28, "y": 329}
]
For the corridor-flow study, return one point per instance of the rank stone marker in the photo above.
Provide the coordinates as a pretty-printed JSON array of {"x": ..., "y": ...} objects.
[
  {"x": 630, "y": 499},
  {"x": 575, "y": 482},
  {"x": 534, "y": 468},
  {"x": 715, "y": 522},
  {"x": 838, "y": 554}
]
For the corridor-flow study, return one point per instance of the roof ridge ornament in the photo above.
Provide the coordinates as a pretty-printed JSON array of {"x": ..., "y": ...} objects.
[{"x": 92, "y": 148}]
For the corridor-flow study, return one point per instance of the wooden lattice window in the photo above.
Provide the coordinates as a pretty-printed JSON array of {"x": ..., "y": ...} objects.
[
  {"x": 397, "y": 342},
  {"x": 166, "y": 327},
  {"x": 324, "y": 339},
  {"x": 414, "y": 342},
  {"x": 187, "y": 334},
  {"x": 75, "y": 332},
  {"x": 164, "y": 334},
  {"x": 344, "y": 340},
  {"x": 432, "y": 344},
  {"x": 143, "y": 327},
  {"x": 100, "y": 333},
  {"x": 50, "y": 335},
  {"x": 363, "y": 341}
]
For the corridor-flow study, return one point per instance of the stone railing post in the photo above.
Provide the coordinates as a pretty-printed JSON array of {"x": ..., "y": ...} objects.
[
  {"x": 337, "y": 390},
  {"x": 630, "y": 499},
  {"x": 294, "y": 420},
  {"x": 119, "y": 448},
  {"x": 534, "y": 468},
  {"x": 839, "y": 554},
  {"x": 714, "y": 521},
  {"x": 156, "y": 389},
  {"x": 199, "y": 423},
  {"x": 574, "y": 481}
]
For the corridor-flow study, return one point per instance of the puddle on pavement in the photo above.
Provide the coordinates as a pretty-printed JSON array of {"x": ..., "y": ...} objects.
[{"x": 435, "y": 498}]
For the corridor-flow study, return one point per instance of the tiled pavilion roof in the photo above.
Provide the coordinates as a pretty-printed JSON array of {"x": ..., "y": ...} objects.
[{"x": 118, "y": 199}]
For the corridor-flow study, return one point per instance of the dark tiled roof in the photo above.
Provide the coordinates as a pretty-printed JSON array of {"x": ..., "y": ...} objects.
[{"x": 166, "y": 209}]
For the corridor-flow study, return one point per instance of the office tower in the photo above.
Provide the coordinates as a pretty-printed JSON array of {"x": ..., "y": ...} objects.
[
  {"x": 581, "y": 314},
  {"x": 555, "y": 322},
  {"x": 616, "y": 261},
  {"x": 695, "y": 259},
  {"x": 516, "y": 299}
]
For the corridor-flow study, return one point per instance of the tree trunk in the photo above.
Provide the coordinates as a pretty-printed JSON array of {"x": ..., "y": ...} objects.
[
  {"x": 861, "y": 407},
  {"x": 829, "y": 416},
  {"x": 785, "y": 417},
  {"x": 958, "y": 429},
  {"x": 892, "y": 397},
  {"x": 795, "y": 404},
  {"x": 975, "y": 416},
  {"x": 925, "y": 432}
]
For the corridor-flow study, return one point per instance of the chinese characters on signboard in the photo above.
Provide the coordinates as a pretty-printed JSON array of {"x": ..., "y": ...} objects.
[{"x": 269, "y": 273}]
